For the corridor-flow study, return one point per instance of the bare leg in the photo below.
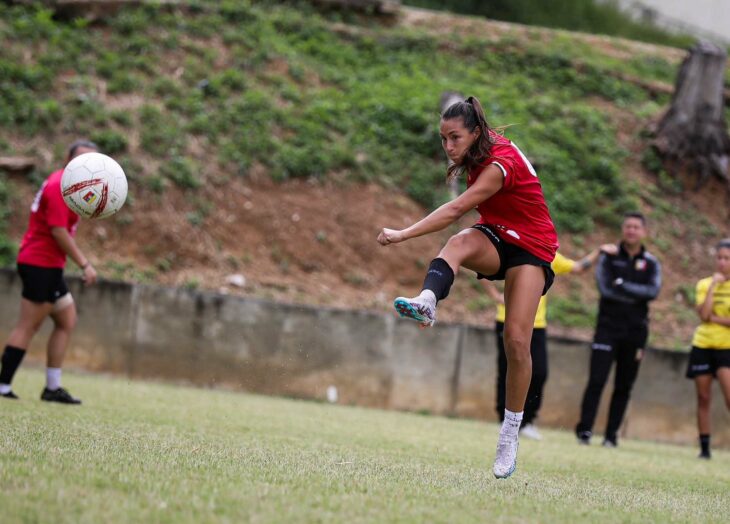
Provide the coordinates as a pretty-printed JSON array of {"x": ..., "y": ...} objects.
[
  {"x": 723, "y": 377},
  {"x": 471, "y": 249},
  {"x": 32, "y": 315},
  {"x": 522, "y": 292},
  {"x": 64, "y": 323},
  {"x": 704, "y": 396}
]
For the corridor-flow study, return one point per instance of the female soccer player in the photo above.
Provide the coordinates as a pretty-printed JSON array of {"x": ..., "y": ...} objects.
[
  {"x": 710, "y": 355},
  {"x": 41, "y": 259},
  {"x": 514, "y": 240}
]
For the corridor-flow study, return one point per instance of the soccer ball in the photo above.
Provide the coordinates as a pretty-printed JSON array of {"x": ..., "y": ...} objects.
[{"x": 94, "y": 185}]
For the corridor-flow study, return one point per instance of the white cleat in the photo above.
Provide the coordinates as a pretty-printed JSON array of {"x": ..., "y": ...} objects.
[
  {"x": 418, "y": 308},
  {"x": 530, "y": 431},
  {"x": 506, "y": 461}
]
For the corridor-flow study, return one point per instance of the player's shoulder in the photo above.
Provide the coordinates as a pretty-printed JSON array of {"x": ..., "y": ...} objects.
[
  {"x": 500, "y": 144},
  {"x": 704, "y": 283},
  {"x": 54, "y": 179},
  {"x": 649, "y": 256}
]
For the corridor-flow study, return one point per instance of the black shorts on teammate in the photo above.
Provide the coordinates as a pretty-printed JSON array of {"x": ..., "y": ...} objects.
[
  {"x": 42, "y": 284},
  {"x": 707, "y": 361}
]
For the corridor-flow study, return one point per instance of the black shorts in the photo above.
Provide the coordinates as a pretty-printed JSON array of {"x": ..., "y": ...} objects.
[
  {"x": 42, "y": 284},
  {"x": 511, "y": 255},
  {"x": 707, "y": 361}
]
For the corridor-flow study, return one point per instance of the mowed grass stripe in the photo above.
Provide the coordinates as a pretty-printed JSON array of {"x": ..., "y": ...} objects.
[{"x": 139, "y": 451}]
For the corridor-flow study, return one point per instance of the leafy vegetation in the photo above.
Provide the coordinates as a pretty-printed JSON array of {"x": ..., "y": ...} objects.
[
  {"x": 588, "y": 16},
  {"x": 268, "y": 84}
]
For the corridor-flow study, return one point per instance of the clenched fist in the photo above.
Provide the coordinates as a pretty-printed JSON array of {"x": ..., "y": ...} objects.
[{"x": 390, "y": 236}]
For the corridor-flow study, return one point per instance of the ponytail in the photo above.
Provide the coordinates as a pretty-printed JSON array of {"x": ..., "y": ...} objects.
[{"x": 471, "y": 112}]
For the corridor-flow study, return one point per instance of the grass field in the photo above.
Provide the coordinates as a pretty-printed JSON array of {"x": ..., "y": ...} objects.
[{"x": 144, "y": 452}]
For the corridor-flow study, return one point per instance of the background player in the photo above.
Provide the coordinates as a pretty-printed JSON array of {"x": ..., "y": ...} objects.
[
  {"x": 41, "y": 259},
  {"x": 710, "y": 355}
]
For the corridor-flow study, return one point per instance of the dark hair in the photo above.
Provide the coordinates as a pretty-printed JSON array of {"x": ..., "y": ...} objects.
[
  {"x": 723, "y": 244},
  {"x": 636, "y": 214},
  {"x": 471, "y": 112},
  {"x": 81, "y": 143}
]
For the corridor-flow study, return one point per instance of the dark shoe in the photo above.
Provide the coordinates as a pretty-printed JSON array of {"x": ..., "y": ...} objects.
[
  {"x": 705, "y": 456},
  {"x": 608, "y": 443},
  {"x": 11, "y": 395},
  {"x": 58, "y": 395},
  {"x": 584, "y": 437}
]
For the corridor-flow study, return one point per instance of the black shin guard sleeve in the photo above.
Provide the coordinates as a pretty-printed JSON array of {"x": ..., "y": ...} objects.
[
  {"x": 12, "y": 357},
  {"x": 439, "y": 278}
]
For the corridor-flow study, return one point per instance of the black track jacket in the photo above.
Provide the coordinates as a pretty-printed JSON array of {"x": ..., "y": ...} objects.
[{"x": 626, "y": 284}]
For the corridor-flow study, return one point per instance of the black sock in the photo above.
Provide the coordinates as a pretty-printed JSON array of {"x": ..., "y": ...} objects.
[
  {"x": 705, "y": 444},
  {"x": 12, "y": 357},
  {"x": 439, "y": 278}
]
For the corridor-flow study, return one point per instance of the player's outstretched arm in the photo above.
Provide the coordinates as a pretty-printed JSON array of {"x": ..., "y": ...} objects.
[
  {"x": 488, "y": 183},
  {"x": 590, "y": 259}
]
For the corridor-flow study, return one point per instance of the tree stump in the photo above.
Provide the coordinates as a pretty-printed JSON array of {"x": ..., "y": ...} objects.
[{"x": 692, "y": 134}]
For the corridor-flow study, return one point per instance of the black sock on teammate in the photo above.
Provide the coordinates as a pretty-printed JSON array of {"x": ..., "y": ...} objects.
[{"x": 11, "y": 359}]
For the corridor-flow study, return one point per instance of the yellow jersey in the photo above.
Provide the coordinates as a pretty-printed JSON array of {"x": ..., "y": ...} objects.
[
  {"x": 560, "y": 266},
  {"x": 710, "y": 335}
]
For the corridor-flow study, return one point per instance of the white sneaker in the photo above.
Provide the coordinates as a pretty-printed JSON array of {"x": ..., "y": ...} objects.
[
  {"x": 530, "y": 431},
  {"x": 506, "y": 461},
  {"x": 418, "y": 308}
]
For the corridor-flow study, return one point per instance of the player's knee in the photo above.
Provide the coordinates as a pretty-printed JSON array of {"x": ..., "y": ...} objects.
[
  {"x": 517, "y": 346},
  {"x": 517, "y": 339},
  {"x": 459, "y": 245},
  {"x": 703, "y": 400}
]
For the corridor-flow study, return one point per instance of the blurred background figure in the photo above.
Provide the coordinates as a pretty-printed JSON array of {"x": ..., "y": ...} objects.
[
  {"x": 710, "y": 355},
  {"x": 47, "y": 242},
  {"x": 627, "y": 281}
]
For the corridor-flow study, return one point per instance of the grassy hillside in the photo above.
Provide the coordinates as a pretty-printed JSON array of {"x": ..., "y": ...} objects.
[
  {"x": 207, "y": 103},
  {"x": 589, "y": 16},
  {"x": 137, "y": 452}
]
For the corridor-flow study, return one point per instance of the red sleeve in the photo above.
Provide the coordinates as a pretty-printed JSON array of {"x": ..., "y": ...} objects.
[
  {"x": 503, "y": 158},
  {"x": 57, "y": 211}
]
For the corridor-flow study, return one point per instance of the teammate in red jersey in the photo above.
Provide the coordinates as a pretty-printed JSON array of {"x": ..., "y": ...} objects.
[
  {"x": 41, "y": 259},
  {"x": 514, "y": 241}
]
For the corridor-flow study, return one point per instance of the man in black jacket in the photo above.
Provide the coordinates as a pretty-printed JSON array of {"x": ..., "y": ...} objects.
[{"x": 627, "y": 282}]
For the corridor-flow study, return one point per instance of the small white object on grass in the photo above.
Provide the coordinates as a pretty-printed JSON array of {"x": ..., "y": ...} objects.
[
  {"x": 236, "y": 280},
  {"x": 331, "y": 394}
]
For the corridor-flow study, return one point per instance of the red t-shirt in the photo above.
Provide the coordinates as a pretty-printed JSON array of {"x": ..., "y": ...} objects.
[
  {"x": 517, "y": 212},
  {"x": 38, "y": 247}
]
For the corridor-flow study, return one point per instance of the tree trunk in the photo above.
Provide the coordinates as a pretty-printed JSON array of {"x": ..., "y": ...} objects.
[{"x": 692, "y": 135}]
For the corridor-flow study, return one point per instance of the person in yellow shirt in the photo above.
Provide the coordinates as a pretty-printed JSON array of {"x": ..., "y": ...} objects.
[
  {"x": 710, "y": 355},
  {"x": 538, "y": 345}
]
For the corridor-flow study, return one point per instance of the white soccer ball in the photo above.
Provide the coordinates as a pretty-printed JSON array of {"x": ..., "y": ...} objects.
[{"x": 94, "y": 185}]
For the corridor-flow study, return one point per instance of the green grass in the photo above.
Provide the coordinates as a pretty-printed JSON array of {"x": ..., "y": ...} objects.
[{"x": 143, "y": 452}]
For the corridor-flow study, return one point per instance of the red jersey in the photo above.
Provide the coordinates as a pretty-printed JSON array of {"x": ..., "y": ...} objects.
[
  {"x": 517, "y": 212},
  {"x": 38, "y": 247}
]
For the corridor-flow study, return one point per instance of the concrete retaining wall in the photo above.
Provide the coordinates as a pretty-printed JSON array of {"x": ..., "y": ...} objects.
[{"x": 373, "y": 360}]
